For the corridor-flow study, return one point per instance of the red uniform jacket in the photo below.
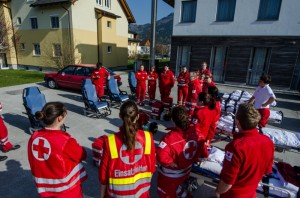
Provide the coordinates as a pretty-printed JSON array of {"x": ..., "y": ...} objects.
[
  {"x": 247, "y": 158},
  {"x": 166, "y": 79},
  {"x": 141, "y": 77},
  {"x": 194, "y": 90},
  {"x": 128, "y": 173},
  {"x": 202, "y": 119},
  {"x": 99, "y": 76},
  {"x": 182, "y": 148},
  {"x": 206, "y": 85},
  {"x": 216, "y": 113},
  {"x": 54, "y": 159},
  {"x": 183, "y": 79},
  {"x": 152, "y": 75},
  {"x": 205, "y": 72}
]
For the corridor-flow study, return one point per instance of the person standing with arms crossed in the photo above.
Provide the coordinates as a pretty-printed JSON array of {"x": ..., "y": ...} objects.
[
  {"x": 166, "y": 82},
  {"x": 247, "y": 158},
  {"x": 55, "y": 157},
  {"x": 152, "y": 77},
  {"x": 128, "y": 160},
  {"x": 183, "y": 86},
  {"x": 262, "y": 98},
  {"x": 99, "y": 77},
  {"x": 194, "y": 90}
]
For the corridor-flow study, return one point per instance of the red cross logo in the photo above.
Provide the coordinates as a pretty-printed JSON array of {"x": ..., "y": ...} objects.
[
  {"x": 131, "y": 157},
  {"x": 190, "y": 149},
  {"x": 41, "y": 149}
]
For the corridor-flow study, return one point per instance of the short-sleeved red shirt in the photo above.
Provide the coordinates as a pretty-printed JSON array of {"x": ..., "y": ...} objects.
[{"x": 247, "y": 158}]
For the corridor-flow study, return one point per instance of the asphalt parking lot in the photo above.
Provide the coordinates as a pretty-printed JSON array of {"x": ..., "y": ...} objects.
[{"x": 16, "y": 179}]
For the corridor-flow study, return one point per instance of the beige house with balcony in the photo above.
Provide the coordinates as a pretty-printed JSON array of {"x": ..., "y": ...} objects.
[
  {"x": 88, "y": 30},
  {"x": 133, "y": 43}
]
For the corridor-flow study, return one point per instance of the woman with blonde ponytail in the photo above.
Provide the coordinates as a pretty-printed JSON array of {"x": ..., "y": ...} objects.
[{"x": 128, "y": 160}]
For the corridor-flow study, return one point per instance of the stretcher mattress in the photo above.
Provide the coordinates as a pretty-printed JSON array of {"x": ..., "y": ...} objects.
[
  {"x": 231, "y": 102},
  {"x": 279, "y": 137},
  {"x": 214, "y": 164}
]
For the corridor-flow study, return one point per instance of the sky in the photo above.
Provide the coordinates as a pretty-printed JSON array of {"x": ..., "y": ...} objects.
[{"x": 141, "y": 10}]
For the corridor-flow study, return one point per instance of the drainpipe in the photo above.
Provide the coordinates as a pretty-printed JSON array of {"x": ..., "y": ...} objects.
[
  {"x": 98, "y": 45},
  {"x": 153, "y": 31},
  {"x": 69, "y": 30},
  {"x": 13, "y": 29}
]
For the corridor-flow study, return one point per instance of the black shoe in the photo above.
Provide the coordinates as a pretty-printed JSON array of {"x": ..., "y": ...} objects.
[
  {"x": 13, "y": 148},
  {"x": 2, "y": 158}
]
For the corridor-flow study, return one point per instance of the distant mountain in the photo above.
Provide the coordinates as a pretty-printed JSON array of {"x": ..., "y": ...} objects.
[{"x": 164, "y": 28}]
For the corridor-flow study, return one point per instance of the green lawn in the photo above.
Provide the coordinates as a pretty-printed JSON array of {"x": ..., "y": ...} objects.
[{"x": 18, "y": 77}]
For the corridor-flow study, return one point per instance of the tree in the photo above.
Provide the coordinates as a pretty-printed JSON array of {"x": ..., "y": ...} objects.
[
  {"x": 9, "y": 40},
  {"x": 61, "y": 54}
]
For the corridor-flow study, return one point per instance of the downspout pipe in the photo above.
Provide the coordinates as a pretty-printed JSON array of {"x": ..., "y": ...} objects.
[
  {"x": 69, "y": 29},
  {"x": 98, "y": 45},
  {"x": 153, "y": 33},
  {"x": 13, "y": 29}
]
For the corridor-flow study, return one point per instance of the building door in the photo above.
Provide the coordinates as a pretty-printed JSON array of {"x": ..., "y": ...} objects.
[
  {"x": 258, "y": 64},
  {"x": 3, "y": 62},
  {"x": 296, "y": 75},
  {"x": 183, "y": 58},
  {"x": 218, "y": 63}
]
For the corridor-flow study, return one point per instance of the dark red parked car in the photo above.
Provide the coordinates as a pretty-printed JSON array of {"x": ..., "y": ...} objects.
[{"x": 72, "y": 76}]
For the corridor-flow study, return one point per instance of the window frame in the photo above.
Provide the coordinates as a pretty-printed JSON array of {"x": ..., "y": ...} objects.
[
  {"x": 19, "y": 21},
  {"x": 182, "y": 11},
  {"x": 259, "y": 17},
  {"x": 109, "y": 49},
  {"x": 107, "y": 4},
  {"x": 31, "y": 20},
  {"x": 51, "y": 24},
  {"x": 218, "y": 19},
  {"x": 54, "y": 50},
  {"x": 34, "y": 49},
  {"x": 108, "y": 24},
  {"x": 99, "y": 2},
  {"x": 22, "y": 46}
]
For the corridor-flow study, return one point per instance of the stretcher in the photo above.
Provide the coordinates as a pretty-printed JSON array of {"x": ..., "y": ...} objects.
[
  {"x": 273, "y": 186},
  {"x": 282, "y": 139},
  {"x": 231, "y": 101}
]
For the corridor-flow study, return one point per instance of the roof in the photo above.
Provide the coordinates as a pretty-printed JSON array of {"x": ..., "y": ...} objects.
[
  {"x": 144, "y": 41},
  {"x": 49, "y": 2},
  {"x": 134, "y": 40},
  {"x": 127, "y": 11},
  {"x": 170, "y": 2},
  {"x": 108, "y": 14},
  {"x": 131, "y": 32}
]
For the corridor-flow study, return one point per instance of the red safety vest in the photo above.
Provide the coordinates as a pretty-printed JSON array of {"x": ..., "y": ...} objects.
[
  {"x": 129, "y": 171},
  {"x": 53, "y": 172}
]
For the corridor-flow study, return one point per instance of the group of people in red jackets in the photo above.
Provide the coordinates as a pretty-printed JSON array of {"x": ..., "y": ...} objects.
[{"x": 166, "y": 82}]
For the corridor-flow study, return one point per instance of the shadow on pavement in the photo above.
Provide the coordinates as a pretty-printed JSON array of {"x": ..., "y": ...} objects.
[
  {"x": 17, "y": 178},
  {"x": 74, "y": 108},
  {"x": 77, "y": 98},
  {"x": 91, "y": 187},
  {"x": 290, "y": 124},
  {"x": 17, "y": 121}
]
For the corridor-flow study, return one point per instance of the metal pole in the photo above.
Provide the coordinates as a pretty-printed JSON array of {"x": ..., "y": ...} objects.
[{"x": 153, "y": 30}]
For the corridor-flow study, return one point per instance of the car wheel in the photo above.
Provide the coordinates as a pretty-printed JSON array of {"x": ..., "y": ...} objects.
[{"x": 51, "y": 83}]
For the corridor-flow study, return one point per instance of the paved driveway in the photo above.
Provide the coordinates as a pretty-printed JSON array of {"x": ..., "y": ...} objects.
[{"x": 16, "y": 179}]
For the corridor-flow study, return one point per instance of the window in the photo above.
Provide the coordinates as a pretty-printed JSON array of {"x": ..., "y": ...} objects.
[
  {"x": 109, "y": 49},
  {"x": 188, "y": 11},
  {"x": 218, "y": 63},
  {"x": 99, "y": 2},
  {"x": 36, "y": 49},
  {"x": 56, "y": 50},
  {"x": 183, "y": 57},
  {"x": 226, "y": 9},
  {"x": 34, "y": 23},
  {"x": 69, "y": 70},
  {"x": 109, "y": 24},
  {"x": 22, "y": 46},
  {"x": 19, "y": 21},
  {"x": 107, "y": 3},
  {"x": 269, "y": 10},
  {"x": 54, "y": 22}
]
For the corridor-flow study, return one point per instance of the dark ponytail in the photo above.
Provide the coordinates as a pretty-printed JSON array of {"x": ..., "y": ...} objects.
[
  {"x": 207, "y": 100},
  {"x": 129, "y": 113},
  {"x": 50, "y": 112},
  {"x": 180, "y": 117}
]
